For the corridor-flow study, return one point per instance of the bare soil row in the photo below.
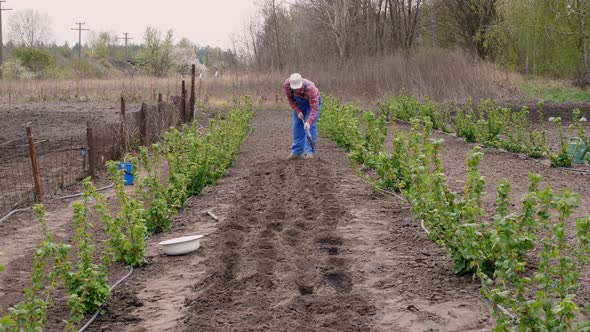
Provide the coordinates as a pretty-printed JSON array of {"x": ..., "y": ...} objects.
[{"x": 300, "y": 245}]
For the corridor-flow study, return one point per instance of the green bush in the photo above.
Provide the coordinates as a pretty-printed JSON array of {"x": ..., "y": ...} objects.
[
  {"x": 541, "y": 296},
  {"x": 37, "y": 61},
  {"x": 14, "y": 69}
]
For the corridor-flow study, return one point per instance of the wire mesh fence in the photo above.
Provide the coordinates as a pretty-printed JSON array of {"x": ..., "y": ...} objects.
[
  {"x": 31, "y": 167},
  {"x": 62, "y": 162},
  {"x": 157, "y": 120},
  {"x": 16, "y": 180}
]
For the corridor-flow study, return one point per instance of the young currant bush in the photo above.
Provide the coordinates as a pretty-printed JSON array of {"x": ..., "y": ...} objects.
[
  {"x": 88, "y": 281},
  {"x": 50, "y": 267},
  {"x": 128, "y": 229}
]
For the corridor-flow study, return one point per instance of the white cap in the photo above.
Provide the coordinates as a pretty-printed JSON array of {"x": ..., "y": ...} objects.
[{"x": 296, "y": 81}]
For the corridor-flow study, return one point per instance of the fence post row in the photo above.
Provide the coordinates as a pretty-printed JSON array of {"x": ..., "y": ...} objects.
[
  {"x": 192, "y": 98},
  {"x": 91, "y": 153},
  {"x": 183, "y": 102},
  {"x": 34, "y": 165},
  {"x": 123, "y": 123},
  {"x": 186, "y": 115},
  {"x": 142, "y": 124}
]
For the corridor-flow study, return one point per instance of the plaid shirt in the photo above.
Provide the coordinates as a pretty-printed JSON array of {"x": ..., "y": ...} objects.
[{"x": 312, "y": 94}]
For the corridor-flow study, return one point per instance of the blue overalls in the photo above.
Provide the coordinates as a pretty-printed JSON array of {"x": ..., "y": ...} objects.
[{"x": 300, "y": 142}]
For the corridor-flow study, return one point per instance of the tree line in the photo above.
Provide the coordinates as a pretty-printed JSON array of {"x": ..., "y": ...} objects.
[
  {"x": 536, "y": 37},
  {"x": 32, "y": 53}
]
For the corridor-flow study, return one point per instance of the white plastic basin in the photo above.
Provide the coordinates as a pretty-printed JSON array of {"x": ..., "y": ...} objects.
[{"x": 181, "y": 245}]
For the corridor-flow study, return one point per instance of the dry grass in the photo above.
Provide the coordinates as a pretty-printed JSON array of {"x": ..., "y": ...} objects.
[{"x": 438, "y": 74}]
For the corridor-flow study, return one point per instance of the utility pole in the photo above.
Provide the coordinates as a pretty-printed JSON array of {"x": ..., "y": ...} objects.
[
  {"x": 1, "y": 41},
  {"x": 79, "y": 29},
  {"x": 126, "y": 38}
]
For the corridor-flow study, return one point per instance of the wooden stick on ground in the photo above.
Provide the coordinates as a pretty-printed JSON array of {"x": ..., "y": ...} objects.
[{"x": 210, "y": 214}]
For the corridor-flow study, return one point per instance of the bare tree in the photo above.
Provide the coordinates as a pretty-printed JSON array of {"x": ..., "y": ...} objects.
[
  {"x": 277, "y": 34},
  {"x": 29, "y": 28},
  {"x": 321, "y": 30},
  {"x": 337, "y": 16},
  {"x": 404, "y": 19},
  {"x": 101, "y": 42},
  {"x": 579, "y": 9},
  {"x": 468, "y": 21},
  {"x": 249, "y": 42}
]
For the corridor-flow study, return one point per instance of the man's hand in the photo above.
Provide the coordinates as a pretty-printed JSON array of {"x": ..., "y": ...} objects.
[
  {"x": 300, "y": 116},
  {"x": 306, "y": 126}
]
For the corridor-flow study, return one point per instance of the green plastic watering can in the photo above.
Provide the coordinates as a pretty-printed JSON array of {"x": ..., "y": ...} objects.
[{"x": 577, "y": 150}]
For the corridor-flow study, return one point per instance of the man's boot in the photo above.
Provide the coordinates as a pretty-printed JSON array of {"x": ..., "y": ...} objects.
[{"x": 294, "y": 156}]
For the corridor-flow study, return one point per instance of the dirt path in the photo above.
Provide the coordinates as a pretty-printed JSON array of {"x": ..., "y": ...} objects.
[{"x": 300, "y": 246}]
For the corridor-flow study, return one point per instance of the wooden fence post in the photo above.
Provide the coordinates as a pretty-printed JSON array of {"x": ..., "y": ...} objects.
[
  {"x": 199, "y": 91},
  {"x": 35, "y": 165},
  {"x": 183, "y": 103},
  {"x": 192, "y": 98},
  {"x": 123, "y": 123},
  {"x": 91, "y": 150},
  {"x": 143, "y": 124}
]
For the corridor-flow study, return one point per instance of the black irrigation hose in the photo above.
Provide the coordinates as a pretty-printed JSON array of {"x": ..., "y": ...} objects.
[
  {"x": 500, "y": 307},
  {"x": 93, "y": 318},
  {"x": 391, "y": 193},
  {"x": 65, "y": 197},
  {"x": 80, "y": 194},
  {"x": 13, "y": 212}
]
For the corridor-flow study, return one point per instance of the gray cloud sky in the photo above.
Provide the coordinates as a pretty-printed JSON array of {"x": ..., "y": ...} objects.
[{"x": 206, "y": 22}]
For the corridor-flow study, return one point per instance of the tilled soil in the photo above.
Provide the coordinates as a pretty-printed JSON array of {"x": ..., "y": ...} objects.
[
  {"x": 300, "y": 246},
  {"x": 497, "y": 165},
  {"x": 55, "y": 120},
  {"x": 277, "y": 262}
]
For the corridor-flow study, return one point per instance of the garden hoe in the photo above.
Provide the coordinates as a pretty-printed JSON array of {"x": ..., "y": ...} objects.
[{"x": 309, "y": 138}]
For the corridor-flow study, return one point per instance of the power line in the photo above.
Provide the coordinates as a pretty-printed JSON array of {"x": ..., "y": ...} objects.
[
  {"x": 1, "y": 42},
  {"x": 126, "y": 38},
  {"x": 79, "y": 29}
]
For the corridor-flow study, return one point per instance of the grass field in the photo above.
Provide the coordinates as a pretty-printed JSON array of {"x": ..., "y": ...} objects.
[{"x": 554, "y": 91}]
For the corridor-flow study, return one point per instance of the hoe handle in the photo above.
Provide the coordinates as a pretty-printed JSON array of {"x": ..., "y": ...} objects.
[{"x": 309, "y": 138}]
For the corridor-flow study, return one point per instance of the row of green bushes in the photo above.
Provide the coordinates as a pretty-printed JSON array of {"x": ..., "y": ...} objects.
[
  {"x": 496, "y": 249},
  {"x": 31, "y": 63},
  {"x": 490, "y": 125},
  {"x": 196, "y": 157}
]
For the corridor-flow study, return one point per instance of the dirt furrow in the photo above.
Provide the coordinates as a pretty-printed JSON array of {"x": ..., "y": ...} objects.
[
  {"x": 300, "y": 246},
  {"x": 277, "y": 265}
]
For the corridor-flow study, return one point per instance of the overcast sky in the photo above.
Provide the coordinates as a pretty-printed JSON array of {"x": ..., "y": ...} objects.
[{"x": 205, "y": 22}]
